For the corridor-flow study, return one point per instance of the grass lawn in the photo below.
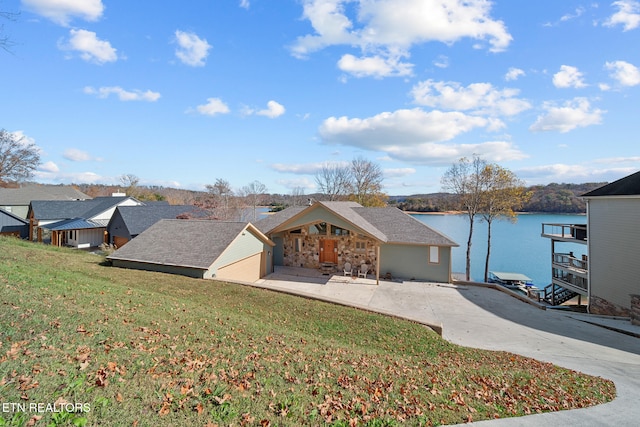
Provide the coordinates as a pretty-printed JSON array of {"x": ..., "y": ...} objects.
[{"x": 126, "y": 347}]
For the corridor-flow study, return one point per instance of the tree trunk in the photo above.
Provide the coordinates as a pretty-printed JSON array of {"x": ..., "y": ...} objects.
[
  {"x": 486, "y": 262},
  {"x": 468, "y": 266}
]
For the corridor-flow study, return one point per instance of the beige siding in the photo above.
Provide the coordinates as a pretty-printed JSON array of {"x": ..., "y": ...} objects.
[
  {"x": 246, "y": 270},
  {"x": 614, "y": 249}
]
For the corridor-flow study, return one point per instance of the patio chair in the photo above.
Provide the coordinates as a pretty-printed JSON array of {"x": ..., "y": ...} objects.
[
  {"x": 348, "y": 270},
  {"x": 364, "y": 269}
]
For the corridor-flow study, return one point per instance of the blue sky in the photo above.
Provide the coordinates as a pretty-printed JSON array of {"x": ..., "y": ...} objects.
[{"x": 183, "y": 93}]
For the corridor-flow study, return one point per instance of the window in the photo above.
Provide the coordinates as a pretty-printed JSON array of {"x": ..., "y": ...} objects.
[
  {"x": 337, "y": 231},
  {"x": 319, "y": 228},
  {"x": 434, "y": 255},
  {"x": 361, "y": 246},
  {"x": 298, "y": 244},
  {"x": 298, "y": 231}
]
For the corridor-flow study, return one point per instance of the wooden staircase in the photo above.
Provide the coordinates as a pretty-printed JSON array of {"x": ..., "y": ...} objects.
[{"x": 556, "y": 295}]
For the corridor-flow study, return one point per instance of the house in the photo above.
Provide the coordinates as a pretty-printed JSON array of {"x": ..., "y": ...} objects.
[
  {"x": 13, "y": 225},
  {"x": 129, "y": 221},
  {"x": 387, "y": 241},
  {"x": 75, "y": 223},
  {"x": 205, "y": 249},
  {"x": 17, "y": 200},
  {"x": 610, "y": 272}
]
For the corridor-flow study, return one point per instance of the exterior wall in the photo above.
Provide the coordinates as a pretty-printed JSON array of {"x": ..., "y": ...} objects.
[
  {"x": 109, "y": 212},
  {"x": 614, "y": 245},
  {"x": 89, "y": 238},
  {"x": 320, "y": 215},
  {"x": 412, "y": 262},
  {"x": 308, "y": 255},
  {"x": 19, "y": 211},
  {"x": 13, "y": 226},
  {"x": 117, "y": 228},
  {"x": 182, "y": 271},
  {"x": 244, "y": 246},
  {"x": 246, "y": 270}
]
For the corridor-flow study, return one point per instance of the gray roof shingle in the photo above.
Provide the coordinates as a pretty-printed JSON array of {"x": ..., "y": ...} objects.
[
  {"x": 627, "y": 186},
  {"x": 67, "y": 209},
  {"x": 389, "y": 225},
  {"x": 178, "y": 242},
  {"x": 139, "y": 218},
  {"x": 24, "y": 195}
]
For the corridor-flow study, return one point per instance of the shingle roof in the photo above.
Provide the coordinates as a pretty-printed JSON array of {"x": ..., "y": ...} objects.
[
  {"x": 24, "y": 195},
  {"x": 389, "y": 225},
  {"x": 627, "y": 186},
  {"x": 139, "y": 218},
  {"x": 271, "y": 221},
  {"x": 67, "y": 209},
  {"x": 186, "y": 243},
  {"x": 398, "y": 227}
]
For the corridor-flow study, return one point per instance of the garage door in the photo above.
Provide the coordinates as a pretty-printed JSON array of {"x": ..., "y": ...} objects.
[{"x": 246, "y": 270}]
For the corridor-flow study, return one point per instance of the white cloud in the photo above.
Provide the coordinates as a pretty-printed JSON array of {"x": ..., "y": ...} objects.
[
  {"x": 513, "y": 74},
  {"x": 304, "y": 168},
  {"x": 442, "y": 61},
  {"x": 578, "y": 12},
  {"x": 212, "y": 107},
  {"x": 50, "y": 167},
  {"x": 625, "y": 73},
  {"x": 477, "y": 97},
  {"x": 22, "y": 138},
  {"x": 398, "y": 172},
  {"x": 568, "y": 76},
  {"x": 244, "y": 4},
  {"x": 387, "y": 29},
  {"x": 76, "y": 155},
  {"x": 374, "y": 66},
  {"x": 62, "y": 11},
  {"x": 273, "y": 110},
  {"x": 628, "y": 15},
  {"x": 573, "y": 114},
  {"x": 292, "y": 184},
  {"x": 192, "y": 50},
  {"x": 123, "y": 95},
  {"x": 415, "y": 136},
  {"x": 69, "y": 177},
  {"x": 91, "y": 48}
]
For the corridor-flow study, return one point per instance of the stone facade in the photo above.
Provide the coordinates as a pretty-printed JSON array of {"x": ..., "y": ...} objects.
[
  {"x": 303, "y": 250},
  {"x": 599, "y": 305},
  {"x": 635, "y": 309}
]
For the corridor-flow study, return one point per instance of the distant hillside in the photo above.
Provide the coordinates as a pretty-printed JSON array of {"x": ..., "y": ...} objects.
[{"x": 551, "y": 198}]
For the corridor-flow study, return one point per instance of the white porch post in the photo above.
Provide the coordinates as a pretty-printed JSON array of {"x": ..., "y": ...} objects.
[{"x": 378, "y": 264}]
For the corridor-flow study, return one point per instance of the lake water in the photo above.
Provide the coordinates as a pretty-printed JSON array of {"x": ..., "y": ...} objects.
[{"x": 515, "y": 247}]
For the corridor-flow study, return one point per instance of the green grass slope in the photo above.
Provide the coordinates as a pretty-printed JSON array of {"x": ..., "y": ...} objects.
[{"x": 97, "y": 345}]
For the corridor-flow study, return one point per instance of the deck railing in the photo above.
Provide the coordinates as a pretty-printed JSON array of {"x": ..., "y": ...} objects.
[
  {"x": 565, "y": 231},
  {"x": 570, "y": 262}
]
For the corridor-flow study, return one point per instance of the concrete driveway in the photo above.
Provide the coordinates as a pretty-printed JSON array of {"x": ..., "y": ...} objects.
[{"x": 486, "y": 318}]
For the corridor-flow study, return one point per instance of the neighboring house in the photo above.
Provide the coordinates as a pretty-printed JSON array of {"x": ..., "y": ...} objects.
[
  {"x": 388, "y": 241},
  {"x": 205, "y": 249},
  {"x": 610, "y": 271},
  {"x": 75, "y": 223},
  {"x": 13, "y": 225},
  {"x": 16, "y": 200},
  {"x": 129, "y": 221}
]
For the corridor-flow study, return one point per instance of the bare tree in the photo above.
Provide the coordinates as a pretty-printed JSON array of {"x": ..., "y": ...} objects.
[
  {"x": 18, "y": 157},
  {"x": 5, "y": 41},
  {"x": 221, "y": 193},
  {"x": 130, "y": 183},
  {"x": 255, "y": 193},
  {"x": 334, "y": 181},
  {"x": 297, "y": 196},
  {"x": 466, "y": 180},
  {"x": 503, "y": 195},
  {"x": 366, "y": 178}
]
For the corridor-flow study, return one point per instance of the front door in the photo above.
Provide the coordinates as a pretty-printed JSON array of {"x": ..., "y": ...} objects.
[{"x": 329, "y": 251}]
